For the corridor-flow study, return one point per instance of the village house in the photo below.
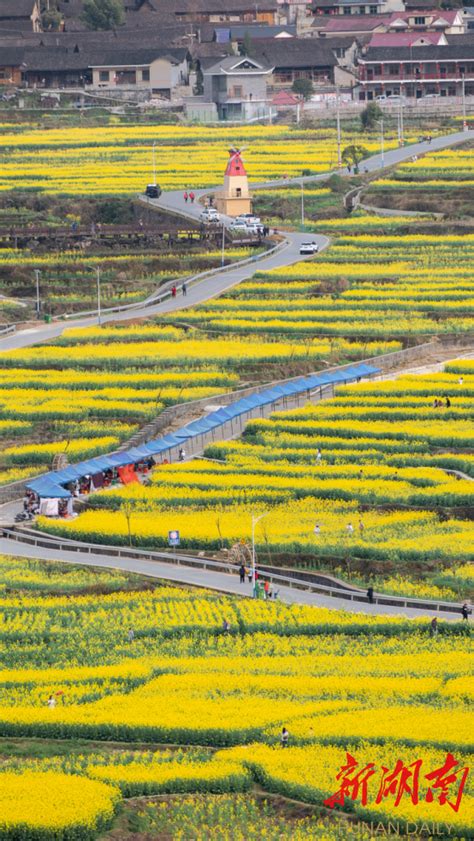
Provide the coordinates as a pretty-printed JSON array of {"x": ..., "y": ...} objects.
[
  {"x": 343, "y": 25},
  {"x": 11, "y": 66},
  {"x": 20, "y": 15},
  {"x": 451, "y": 22},
  {"x": 237, "y": 85},
  {"x": 356, "y": 7},
  {"x": 215, "y": 11},
  {"x": 445, "y": 70},
  {"x": 300, "y": 58},
  {"x": 160, "y": 71}
]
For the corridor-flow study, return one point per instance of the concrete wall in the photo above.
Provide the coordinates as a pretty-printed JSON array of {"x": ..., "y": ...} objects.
[
  {"x": 163, "y": 76},
  {"x": 232, "y": 429}
]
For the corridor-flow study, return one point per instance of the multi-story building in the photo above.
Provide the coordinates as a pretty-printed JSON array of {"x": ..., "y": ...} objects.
[
  {"x": 237, "y": 85},
  {"x": 356, "y": 7},
  {"x": 416, "y": 71}
]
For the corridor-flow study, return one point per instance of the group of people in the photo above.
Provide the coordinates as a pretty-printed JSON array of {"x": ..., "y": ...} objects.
[
  {"x": 189, "y": 196},
  {"x": 263, "y": 589},
  {"x": 174, "y": 290},
  {"x": 465, "y": 613},
  {"x": 349, "y": 529},
  {"x": 439, "y": 404}
]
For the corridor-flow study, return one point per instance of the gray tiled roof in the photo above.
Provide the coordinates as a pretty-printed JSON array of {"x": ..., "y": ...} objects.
[
  {"x": 296, "y": 52},
  {"x": 447, "y": 52}
]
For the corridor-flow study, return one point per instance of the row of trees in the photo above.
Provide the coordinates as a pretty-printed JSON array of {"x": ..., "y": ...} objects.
[{"x": 97, "y": 14}]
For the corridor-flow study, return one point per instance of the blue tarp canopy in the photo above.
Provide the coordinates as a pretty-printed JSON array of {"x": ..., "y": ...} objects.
[
  {"x": 68, "y": 474},
  {"x": 159, "y": 445},
  {"x": 136, "y": 454},
  {"x": 364, "y": 370},
  {"x": 50, "y": 485},
  {"x": 46, "y": 488}
]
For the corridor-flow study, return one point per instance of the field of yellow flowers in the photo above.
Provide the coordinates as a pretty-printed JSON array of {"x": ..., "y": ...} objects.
[
  {"x": 378, "y": 688},
  {"x": 124, "y": 376},
  {"x": 117, "y": 160},
  {"x": 365, "y": 286},
  {"x": 368, "y": 468}
]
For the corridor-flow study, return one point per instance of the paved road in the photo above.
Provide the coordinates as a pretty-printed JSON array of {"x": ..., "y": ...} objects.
[
  {"x": 199, "y": 292},
  {"x": 220, "y": 581},
  {"x": 219, "y": 282},
  {"x": 208, "y": 288}
]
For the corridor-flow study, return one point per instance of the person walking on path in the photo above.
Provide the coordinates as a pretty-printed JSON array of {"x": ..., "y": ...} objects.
[
  {"x": 242, "y": 574},
  {"x": 465, "y": 612},
  {"x": 173, "y": 291},
  {"x": 266, "y": 590},
  {"x": 191, "y": 197},
  {"x": 284, "y": 738},
  {"x": 185, "y": 196},
  {"x": 184, "y": 290},
  {"x": 370, "y": 594},
  {"x": 181, "y": 454}
]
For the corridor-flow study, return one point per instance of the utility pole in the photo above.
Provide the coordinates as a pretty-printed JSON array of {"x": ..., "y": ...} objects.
[
  {"x": 382, "y": 147},
  {"x": 338, "y": 126},
  {"x": 302, "y": 203},
  {"x": 255, "y": 520},
  {"x": 223, "y": 244},
  {"x": 96, "y": 269},
  {"x": 99, "y": 309},
  {"x": 38, "y": 303},
  {"x": 402, "y": 130},
  {"x": 154, "y": 162},
  {"x": 463, "y": 91}
]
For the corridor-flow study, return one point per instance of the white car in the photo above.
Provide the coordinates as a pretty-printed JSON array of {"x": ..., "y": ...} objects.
[
  {"x": 248, "y": 218},
  {"x": 209, "y": 215},
  {"x": 245, "y": 229},
  {"x": 392, "y": 98},
  {"x": 309, "y": 248}
]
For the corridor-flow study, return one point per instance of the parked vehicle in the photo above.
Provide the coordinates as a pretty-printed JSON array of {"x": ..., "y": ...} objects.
[
  {"x": 245, "y": 229},
  {"x": 153, "y": 191},
  {"x": 210, "y": 215},
  {"x": 248, "y": 218},
  {"x": 392, "y": 98},
  {"x": 309, "y": 248}
]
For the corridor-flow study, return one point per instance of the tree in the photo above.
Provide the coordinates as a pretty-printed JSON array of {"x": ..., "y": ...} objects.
[
  {"x": 246, "y": 45},
  {"x": 51, "y": 20},
  {"x": 370, "y": 115},
  {"x": 353, "y": 155},
  {"x": 127, "y": 510},
  {"x": 303, "y": 87},
  {"x": 103, "y": 14}
]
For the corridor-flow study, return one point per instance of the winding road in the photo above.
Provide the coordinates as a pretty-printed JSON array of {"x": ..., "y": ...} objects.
[
  {"x": 209, "y": 287},
  {"x": 220, "y": 280}
]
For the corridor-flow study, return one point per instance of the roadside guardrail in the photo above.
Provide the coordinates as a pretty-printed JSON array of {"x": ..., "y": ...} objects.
[{"x": 65, "y": 545}]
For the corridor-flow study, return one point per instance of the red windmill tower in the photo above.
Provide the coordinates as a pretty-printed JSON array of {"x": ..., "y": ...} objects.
[{"x": 235, "y": 197}]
